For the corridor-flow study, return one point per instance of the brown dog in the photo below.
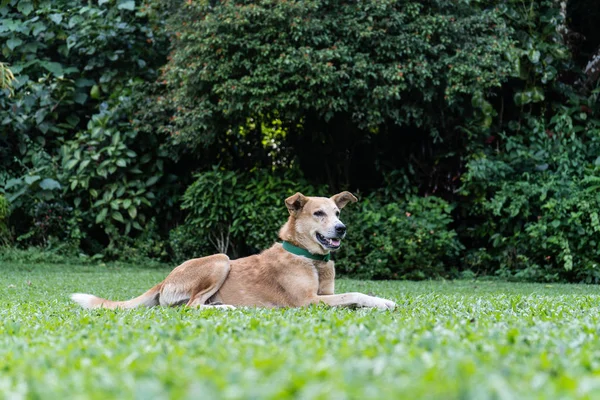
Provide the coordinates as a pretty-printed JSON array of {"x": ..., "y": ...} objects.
[{"x": 294, "y": 273}]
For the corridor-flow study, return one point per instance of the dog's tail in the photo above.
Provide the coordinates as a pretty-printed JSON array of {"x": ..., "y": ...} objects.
[{"x": 148, "y": 299}]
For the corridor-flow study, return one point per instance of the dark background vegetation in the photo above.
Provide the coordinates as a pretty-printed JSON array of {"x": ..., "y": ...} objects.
[{"x": 163, "y": 130}]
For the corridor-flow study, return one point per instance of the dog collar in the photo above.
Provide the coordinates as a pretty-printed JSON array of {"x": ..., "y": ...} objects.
[{"x": 304, "y": 253}]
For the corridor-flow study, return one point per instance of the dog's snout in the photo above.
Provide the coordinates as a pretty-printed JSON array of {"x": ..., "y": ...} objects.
[{"x": 340, "y": 229}]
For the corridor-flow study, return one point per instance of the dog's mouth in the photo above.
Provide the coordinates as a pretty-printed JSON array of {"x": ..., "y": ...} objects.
[{"x": 329, "y": 243}]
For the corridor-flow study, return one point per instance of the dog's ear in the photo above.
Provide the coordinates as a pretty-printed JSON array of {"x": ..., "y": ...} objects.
[
  {"x": 341, "y": 199},
  {"x": 295, "y": 203}
]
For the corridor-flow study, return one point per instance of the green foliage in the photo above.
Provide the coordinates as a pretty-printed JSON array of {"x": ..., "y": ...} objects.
[
  {"x": 237, "y": 211},
  {"x": 65, "y": 59},
  {"x": 5, "y": 236},
  {"x": 65, "y": 136},
  {"x": 112, "y": 172},
  {"x": 24, "y": 191},
  {"x": 446, "y": 340},
  {"x": 336, "y": 72},
  {"x": 400, "y": 240},
  {"x": 147, "y": 249},
  {"x": 185, "y": 243},
  {"x": 480, "y": 103},
  {"x": 530, "y": 207},
  {"x": 541, "y": 50},
  {"x": 538, "y": 199},
  {"x": 30, "y": 257}
]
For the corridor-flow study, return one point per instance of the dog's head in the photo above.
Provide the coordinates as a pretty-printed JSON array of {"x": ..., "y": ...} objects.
[{"x": 314, "y": 222}]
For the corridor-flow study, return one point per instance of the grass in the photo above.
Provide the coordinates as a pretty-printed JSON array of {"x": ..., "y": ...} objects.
[{"x": 450, "y": 340}]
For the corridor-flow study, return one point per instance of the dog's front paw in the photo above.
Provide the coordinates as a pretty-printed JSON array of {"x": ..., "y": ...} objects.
[
  {"x": 382, "y": 304},
  {"x": 224, "y": 306}
]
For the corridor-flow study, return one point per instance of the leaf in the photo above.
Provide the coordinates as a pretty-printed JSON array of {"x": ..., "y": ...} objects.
[
  {"x": 127, "y": 228},
  {"x": 95, "y": 92},
  {"x": 13, "y": 42},
  {"x": 534, "y": 56},
  {"x": 80, "y": 97},
  {"x": 71, "y": 164},
  {"x": 53, "y": 67},
  {"x": 83, "y": 164},
  {"x": 151, "y": 181},
  {"x": 75, "y": 20},
  {"x": 29, "y": 179},
  {"x": 12, "y": 183},
  {"x": 121, "y": 162},
  {"x": 132, "y": 212},
  {"x": 116, "y": 138},
  {"x": 25, "y": 7},
  {"x": 126, "y": 203},
  {"x": 50, "y": 184},
  {"x": 117, "y": 216},
  {"x": 77, "y": 202},
  {"x": 101, "y": 215},
  {"x": 56, "y": 18},
  {"x": 38, "y": 28},
  {"x": 126, "y": 5}
]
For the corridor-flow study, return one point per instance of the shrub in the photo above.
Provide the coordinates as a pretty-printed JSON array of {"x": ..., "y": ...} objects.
[
  {"x": 112, "y": 172},
  {"x": 66, "y": 60},
  {"x": 236, "y": 212},
  {"x": 345, "y": 79},
  {"x": 185, "y": 243},
  {"x": 75, "y": 68},
  {"x": 537, "y": 201},
  {"x": 405, "y": 239},
  {"x": 147, "y": 249}
]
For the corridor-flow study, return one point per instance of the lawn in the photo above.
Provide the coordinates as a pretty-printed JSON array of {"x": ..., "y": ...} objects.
[{"x": 446, "y": 340}]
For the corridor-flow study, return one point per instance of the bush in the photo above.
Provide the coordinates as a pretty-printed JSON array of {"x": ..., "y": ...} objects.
[
  {"x": 66, "y": 135},
  {"x": 147, "y": 249},
  {"x": 67, "y": 59},
  {"x": 185, "y": 243},
  {"x": 536, "y": 200},
  {"x": 345, "y": 79},
  {"x": 236, "y": 212},
  {"x": 406, "y": 239},
  {"x": 114, "y": 173}
]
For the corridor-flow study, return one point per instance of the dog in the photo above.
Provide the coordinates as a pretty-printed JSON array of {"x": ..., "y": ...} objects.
[{"x": 294, "y": 273}]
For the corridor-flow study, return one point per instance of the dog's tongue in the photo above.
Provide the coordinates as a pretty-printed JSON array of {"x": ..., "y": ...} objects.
[{"x": 334, "y": 242}]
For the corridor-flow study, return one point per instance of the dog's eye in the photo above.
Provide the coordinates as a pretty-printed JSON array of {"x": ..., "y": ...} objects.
[
  {"x": 319, "y": 213},
  {"x": 337, "y": 213}
]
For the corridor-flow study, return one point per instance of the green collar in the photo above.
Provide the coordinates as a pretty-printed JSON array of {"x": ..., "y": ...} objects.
[{"x": 304, "y": 253}]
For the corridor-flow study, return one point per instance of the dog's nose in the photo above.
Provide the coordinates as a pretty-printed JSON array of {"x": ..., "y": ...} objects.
[{"x": 340, "y": 229}]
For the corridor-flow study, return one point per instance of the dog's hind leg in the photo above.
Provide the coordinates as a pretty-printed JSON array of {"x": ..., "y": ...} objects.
[
  {"x": 206, "y": 291},
  {"x": 195, "y": 281}
]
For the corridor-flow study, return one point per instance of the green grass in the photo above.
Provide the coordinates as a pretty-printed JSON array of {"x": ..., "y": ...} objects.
[{"x": 449, "y": 340}]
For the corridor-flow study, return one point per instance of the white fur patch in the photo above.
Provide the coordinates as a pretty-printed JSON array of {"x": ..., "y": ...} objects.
[
  {"x": 171, "y": 294},
  {"x": 84, "y": 300}
]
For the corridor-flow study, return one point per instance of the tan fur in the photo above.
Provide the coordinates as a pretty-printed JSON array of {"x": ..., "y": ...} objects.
[{"x": 273, "y": 278}]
